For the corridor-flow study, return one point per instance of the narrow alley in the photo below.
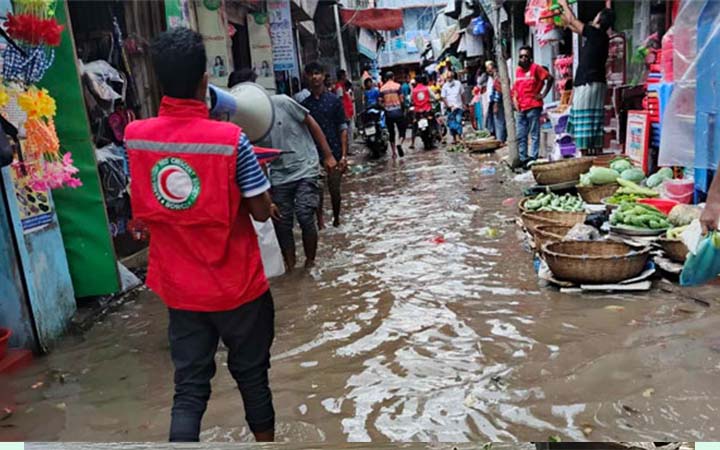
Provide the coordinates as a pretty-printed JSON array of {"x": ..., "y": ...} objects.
[{"x": 423, "y": 321}]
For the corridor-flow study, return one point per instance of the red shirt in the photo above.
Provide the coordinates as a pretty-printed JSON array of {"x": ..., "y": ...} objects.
[
  {"x": 528, "y": 84},
  {"x": 421, "y": 98},
  {"x": 346, "y": 99}
]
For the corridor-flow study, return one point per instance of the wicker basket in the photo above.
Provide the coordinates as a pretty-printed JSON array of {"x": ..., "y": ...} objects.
[
  {"x": 521, "y": 204},
  {"x": 483, "y": 145},
  {"x": 598, "y": 262},
  {"x": 568, "y": 219},
  {"x": 545, "y": 234},
  {"x": 564, "y": 171},
  {"x": 596, "y": 194},
  {"x": 675, "y": 249},
  {"x": 531, "y": 221}
]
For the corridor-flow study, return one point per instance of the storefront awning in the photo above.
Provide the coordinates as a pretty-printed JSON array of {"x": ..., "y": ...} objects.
[{"x": 378, "y": 19}]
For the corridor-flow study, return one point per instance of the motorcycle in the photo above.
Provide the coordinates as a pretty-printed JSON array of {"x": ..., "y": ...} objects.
[
  {"x": 373, "y": 130},
  {"x": 428, "y": 129}
]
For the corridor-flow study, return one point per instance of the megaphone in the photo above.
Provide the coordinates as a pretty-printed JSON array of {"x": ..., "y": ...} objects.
[{"x": 247, "y": 105}]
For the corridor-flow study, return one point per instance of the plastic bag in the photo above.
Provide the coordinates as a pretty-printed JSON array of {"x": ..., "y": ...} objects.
[
  {"x": 533, "y": 10},
  {"x": 690, "y": 66},
  {"x": 582, "y": 232},
  {"x": 269, "y": 249},
  {"x": 478, "y": 26},
  {"x": 703, "y": 266}
]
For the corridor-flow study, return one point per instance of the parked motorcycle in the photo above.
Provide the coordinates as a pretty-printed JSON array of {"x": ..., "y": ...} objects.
[{"x": 373, "y": 130}]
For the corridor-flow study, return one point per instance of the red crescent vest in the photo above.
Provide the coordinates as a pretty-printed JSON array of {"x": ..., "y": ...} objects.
[{"x": 204, "y": 253}]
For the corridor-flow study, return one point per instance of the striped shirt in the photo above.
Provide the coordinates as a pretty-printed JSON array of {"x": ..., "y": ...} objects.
[
  {"x": 249, "y": 175},
  {"x": 390, "y": 92}
]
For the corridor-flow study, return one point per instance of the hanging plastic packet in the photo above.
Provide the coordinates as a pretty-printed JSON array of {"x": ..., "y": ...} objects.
[{"x": 702, "y": 266}]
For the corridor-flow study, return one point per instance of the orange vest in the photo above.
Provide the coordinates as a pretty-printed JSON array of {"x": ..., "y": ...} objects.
[{"x": 204, "y": 254}]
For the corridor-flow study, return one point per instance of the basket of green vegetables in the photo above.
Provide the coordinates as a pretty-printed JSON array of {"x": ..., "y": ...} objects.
[{"x": 637, "y": 219}]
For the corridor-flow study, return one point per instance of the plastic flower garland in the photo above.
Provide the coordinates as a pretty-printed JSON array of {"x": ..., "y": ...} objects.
[
  {"x": 36, "y": 31},
  {"x": 44, "y": 167},
  {"x": 4, "y": 96}
]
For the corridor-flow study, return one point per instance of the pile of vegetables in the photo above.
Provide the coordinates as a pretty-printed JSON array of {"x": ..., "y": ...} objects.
[
  {"x": 619, "y": 168},
  {"x": 630, "y": 192},
  {"x": 553, "y": 202},
  {"x": 640, "y": 216},
  {"x": 479, "y": 134}
]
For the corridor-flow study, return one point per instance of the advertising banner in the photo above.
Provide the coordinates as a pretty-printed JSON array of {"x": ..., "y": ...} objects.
[
  {"x": 261, "y": 53},
  {"x": 213, "y": 28},
  {"x": 281, "y": 35}
]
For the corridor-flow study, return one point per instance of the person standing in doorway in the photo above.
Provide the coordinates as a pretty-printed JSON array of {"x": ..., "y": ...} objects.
[
  {"x": 587, "y": 116},
  {"x": 453, "y": 96},
  {"x": 204, "y": 261},
  {"x": 328, "y": 112},
  {"x": 496, "y": 109},
  {"x": 532, "y": 84},
  {"x": 391, "y": 99}
]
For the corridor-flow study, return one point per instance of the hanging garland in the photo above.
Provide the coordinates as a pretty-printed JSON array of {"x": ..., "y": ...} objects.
[{"x": 35, "y": 32}]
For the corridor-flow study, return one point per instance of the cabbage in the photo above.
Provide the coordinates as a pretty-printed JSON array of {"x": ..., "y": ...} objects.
[{"x": 683, "y": 215}]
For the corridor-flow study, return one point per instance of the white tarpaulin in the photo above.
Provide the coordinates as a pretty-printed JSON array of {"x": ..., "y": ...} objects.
[
  {"x": 679, "y": 131},
  {"x": 367, "y": 43}
]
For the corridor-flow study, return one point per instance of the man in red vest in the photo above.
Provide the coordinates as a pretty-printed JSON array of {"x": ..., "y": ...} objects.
[{"x": 196, "y": 182}]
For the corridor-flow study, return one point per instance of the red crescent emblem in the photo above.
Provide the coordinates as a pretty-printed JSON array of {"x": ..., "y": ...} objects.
[{"x": 163, "y": 183}]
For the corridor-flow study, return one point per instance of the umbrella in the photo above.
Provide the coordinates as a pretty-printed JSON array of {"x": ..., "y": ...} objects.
[{"x": 266, "y": 155}]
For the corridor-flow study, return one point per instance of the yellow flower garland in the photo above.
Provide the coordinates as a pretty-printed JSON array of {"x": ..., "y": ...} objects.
[
  {"x": 4, "y": 96},
  {"x": 37, "y": 103}
]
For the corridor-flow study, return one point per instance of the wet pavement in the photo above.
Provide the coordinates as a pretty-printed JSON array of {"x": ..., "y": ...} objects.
[{"x": 423, "y": 321}]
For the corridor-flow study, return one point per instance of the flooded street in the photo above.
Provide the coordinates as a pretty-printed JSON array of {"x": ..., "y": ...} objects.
[{"x": 423, "y": 321}]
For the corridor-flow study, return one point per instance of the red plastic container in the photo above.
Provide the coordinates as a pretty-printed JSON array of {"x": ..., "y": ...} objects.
[
  {"x": 664, "y": 205},
  {"x": 679, "y": 190},
  {"x": 4, "y": 338}
]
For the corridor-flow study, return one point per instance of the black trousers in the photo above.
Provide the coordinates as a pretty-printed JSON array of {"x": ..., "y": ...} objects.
[{"x": 248, "y": 333}]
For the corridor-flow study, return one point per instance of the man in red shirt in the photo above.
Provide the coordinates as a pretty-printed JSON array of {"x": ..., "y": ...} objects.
[
  {"x": 343, "y": 90},
  {"x": 421, "y": 103},
  {"x": 196, "y": 182},
  {"x": 532, "y": 84}
]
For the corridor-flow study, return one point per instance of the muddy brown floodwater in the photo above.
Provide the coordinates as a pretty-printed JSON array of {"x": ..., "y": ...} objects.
[{"x": 398, "y": 335}]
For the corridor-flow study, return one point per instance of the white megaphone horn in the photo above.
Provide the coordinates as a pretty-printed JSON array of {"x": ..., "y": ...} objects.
[{"x": 247, "y": 105}]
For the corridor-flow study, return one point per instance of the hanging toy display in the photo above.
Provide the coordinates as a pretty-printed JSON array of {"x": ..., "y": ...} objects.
[
  {"x": 553, "y": 13},
  {"x": 33, "y": 32}
]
